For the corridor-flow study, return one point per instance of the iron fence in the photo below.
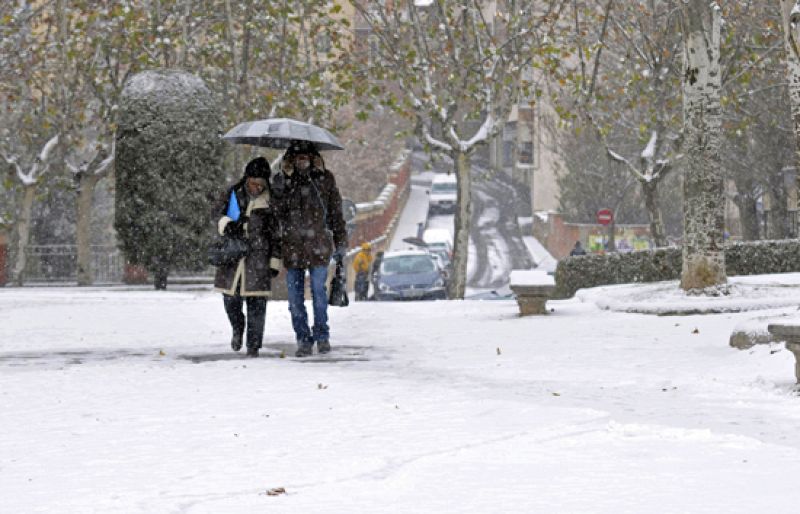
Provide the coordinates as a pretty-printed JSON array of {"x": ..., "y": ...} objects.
[{"x": 58, "y": 263}]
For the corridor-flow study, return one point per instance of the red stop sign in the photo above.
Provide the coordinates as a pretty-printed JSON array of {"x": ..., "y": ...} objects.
[{"x": 605, "y": 216}]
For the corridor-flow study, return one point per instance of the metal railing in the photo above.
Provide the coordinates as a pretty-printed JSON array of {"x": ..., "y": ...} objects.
[{"x": 58, "y": 263}]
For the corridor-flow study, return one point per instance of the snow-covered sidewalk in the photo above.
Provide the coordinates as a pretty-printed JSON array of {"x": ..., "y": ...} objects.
[{"x": 120, "y": 400}]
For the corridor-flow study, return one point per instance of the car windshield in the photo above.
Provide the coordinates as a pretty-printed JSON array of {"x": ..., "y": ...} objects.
[
  {"x": 444, "y": 187},
  {"x": 407, "y": 264}
]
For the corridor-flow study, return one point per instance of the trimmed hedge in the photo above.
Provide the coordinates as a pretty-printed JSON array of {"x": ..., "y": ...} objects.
[{"x": 741, "y": 258}]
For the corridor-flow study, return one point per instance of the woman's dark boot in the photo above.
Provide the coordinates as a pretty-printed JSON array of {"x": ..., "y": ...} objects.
[{"x": 236, "y": 341}]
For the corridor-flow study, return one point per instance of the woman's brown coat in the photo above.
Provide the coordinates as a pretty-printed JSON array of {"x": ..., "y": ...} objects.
[{"x": 252, "y": 274}]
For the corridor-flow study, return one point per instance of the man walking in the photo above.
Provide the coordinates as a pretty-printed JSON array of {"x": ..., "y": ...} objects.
[{"x": 313, "y": 230}]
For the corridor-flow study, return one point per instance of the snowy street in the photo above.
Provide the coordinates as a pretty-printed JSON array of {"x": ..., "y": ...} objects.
[
  {"x": 126, "y": 400},
  {"x": 496, "y": 245}
]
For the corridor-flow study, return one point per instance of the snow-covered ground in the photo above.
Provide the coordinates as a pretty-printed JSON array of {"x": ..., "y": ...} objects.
[
  {"x": 747, "y": 293},
  {"x": 117, "y": 400}
]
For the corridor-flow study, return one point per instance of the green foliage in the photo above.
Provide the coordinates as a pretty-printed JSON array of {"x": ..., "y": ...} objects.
[{"x": 169, "y": 171}]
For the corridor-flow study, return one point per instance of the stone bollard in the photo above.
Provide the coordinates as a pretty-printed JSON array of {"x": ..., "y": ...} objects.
[
  {"x": 532, "y": 288},
  {"x": 790, "y": 334}
]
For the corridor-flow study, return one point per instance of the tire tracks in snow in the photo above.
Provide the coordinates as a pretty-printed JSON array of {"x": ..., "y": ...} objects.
[{"x": 498, "y": 243}]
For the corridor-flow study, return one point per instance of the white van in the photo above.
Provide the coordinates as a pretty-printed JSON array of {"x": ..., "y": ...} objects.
[{"x": 443, "y": 193}]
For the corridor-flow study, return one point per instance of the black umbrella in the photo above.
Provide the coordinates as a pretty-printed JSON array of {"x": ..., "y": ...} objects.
[
  {"x": 280, "y": 132},
  {"x": 415, "y": 241}
]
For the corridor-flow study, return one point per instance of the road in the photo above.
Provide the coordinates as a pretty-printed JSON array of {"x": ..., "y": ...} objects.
[{"x": 496, "y": 245}]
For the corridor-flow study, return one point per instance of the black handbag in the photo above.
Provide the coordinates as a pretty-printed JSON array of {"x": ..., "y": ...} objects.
[
  {"x": 338, "y": 294},
  {"x": 227, "y": 250}
]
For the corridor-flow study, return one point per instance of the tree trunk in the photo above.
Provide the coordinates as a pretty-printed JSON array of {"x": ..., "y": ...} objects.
[
  {"x": 778, "y": 221},
  {"x": 495, "y": 148},
  {"x": 83, "y": 222},
  {"x": 611, "y": 244},
  {"x": 650, "y": 190},
  {"x": 160, "y": 279},
  {"x": 704, "y": 202},
  {"x": 23, "y": 233},
  {"x": 461, "y": 222},
  {"x": 790, "y": 38}
]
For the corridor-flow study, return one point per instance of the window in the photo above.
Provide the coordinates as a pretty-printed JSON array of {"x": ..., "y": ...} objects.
[
  {"x": 407, "y": 264},
  {"x": 323, "y": 43},
  {"x": 443, "y": 187}
]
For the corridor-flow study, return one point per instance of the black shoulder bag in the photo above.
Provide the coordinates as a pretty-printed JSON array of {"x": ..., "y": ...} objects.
[{"x": 227, "y": 249}]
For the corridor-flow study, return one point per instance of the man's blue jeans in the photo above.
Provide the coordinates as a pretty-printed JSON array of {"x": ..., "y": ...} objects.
[{"x": 296, "y": 283}]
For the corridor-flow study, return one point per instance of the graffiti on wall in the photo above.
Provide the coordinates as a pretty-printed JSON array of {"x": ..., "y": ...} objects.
[{"x": 626, "y": 239}]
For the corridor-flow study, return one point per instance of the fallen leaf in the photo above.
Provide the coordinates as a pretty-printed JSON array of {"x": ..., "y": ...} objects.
[
  {"x": 498, "y": 351},
  {"x": 275, "y": 491},
  {"x": 695, "y": 331},
  {"x": 556, "y": 394},
  {"x": 283, "y": 354},
  {"x": 322, "y": 386},
  {"x": 161, "y": 353}
]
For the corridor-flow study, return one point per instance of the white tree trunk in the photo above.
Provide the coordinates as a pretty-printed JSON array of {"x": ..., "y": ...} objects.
[
  {"x": 790, "y": 12},
  {"x": 657, "y": 232},
  {"x": 23, "y": 232},
  {"x": 83, "y": 223},
  {"x": 704, "y": 201},
  {"x": 462, "y": 223}
]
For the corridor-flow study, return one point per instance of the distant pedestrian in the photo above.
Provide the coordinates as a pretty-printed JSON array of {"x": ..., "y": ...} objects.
[
  {"x": 313, "y": 230},
  {"x": 373, "y": 276},
  {"x": 577, "y": 250},
  {"x": 249, "y": 279},
  {"x": 361, "y": 265}
]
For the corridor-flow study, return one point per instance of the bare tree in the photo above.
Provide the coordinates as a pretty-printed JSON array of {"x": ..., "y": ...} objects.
[
  {"x": 30, "y": 175},
  {"x": 456, "y": 65},
  {"x": 628, "y": 92},
  {"x": 31, "y": 131}
]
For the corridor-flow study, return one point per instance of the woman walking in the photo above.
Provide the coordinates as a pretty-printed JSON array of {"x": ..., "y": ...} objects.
[{"x": 249, "y": 280}]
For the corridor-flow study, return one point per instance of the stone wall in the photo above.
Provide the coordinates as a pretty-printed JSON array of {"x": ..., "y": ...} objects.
[
  {"x": 377, "y": 218},
  {"x": 741, "y": 258}
]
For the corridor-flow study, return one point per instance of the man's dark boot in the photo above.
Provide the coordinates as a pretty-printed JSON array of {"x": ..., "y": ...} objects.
[
  {"x": 304, "y": 351},
  {"x": 323, "y": 346},
  {"x": 252, "y": 352},
  {"x": 236, "y": 341}
]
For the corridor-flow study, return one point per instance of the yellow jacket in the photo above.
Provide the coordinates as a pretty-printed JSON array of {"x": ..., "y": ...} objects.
[{"x": 362, "y": 262}]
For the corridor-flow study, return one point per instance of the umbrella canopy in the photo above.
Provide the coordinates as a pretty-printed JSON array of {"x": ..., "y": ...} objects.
[
  {"x": 416, "y": 241},
  {"x": 280, "y": 132}
]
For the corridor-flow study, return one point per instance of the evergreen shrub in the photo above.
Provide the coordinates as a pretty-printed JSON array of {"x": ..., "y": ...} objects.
[{"x": 741, "y": 258}]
